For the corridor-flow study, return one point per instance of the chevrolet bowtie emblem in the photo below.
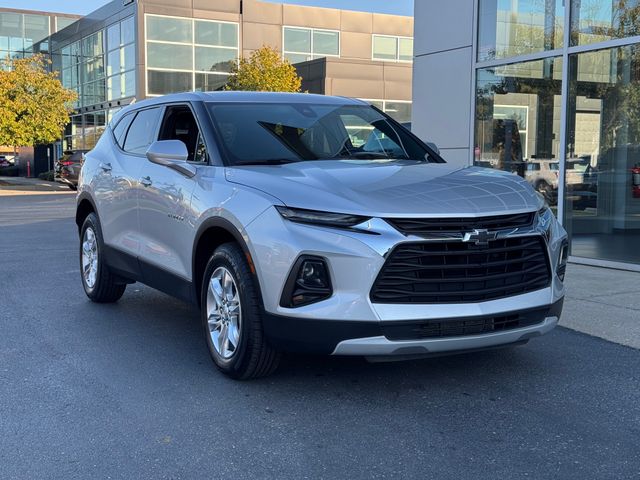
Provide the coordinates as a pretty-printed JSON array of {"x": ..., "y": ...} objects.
[{"x": 480, "y": 236}]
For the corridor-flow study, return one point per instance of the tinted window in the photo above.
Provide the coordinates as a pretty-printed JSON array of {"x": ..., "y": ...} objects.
[
  {"x": 142, "y": 131},
  {"x": 120, "y": 130}
]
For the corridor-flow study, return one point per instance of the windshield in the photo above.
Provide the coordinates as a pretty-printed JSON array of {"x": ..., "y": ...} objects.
[{"x": 274, "y": 133}]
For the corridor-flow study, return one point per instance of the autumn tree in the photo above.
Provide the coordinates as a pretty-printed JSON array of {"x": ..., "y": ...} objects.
[
  {"x": 34, "y": 106},
  {"x": 264, "y": 71}
]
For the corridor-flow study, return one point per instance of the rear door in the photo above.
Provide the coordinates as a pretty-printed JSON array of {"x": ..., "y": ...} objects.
[
  {"x": 166, "y": 217},
  {"x": 119, "y": 180}
]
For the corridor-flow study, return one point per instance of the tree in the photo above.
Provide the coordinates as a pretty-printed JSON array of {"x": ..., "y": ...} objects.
[
  {"x": 34, "y": 106},
  {"x": 264, "y": 71}
]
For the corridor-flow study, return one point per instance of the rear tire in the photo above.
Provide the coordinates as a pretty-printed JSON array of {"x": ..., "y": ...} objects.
[
  {"x": 231, "y": 319},
  {"x": 100, "y": 285}
]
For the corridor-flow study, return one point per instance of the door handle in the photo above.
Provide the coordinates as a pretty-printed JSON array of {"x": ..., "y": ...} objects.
[
  {"x": 146, "y": 181},
  {"x": 106, "y": 167}
]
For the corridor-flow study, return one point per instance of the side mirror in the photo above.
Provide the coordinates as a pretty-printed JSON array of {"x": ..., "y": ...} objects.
[
  {"x": 172, "y": 154},
  {"x": 433, "y": 147}
]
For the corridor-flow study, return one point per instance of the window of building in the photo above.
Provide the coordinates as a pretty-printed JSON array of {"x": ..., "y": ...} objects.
[
  {"x": 599, "y": 21},
  {"x": 64, "y": 22},
  {"x": 19, "y": 31},
  {"x": 142, "y": 131},
  {"x": 508, "y": 29},
  {"x": 399, "y": 110},
  {"x": 392, "y": 48},
  {"x": 302, "y": 44},
  {"x": 120, "y": 60},
  {"x": 602, "y": 213},
  {"x": 186, "y": 54},
  {"x": 508, "y": 99}
]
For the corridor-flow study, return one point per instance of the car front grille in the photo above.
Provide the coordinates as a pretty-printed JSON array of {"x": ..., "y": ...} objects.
[
  {"x": 421, "y": 329},
  {"x": 424, "y": 226},
  {"x": 461, "y": 272}
]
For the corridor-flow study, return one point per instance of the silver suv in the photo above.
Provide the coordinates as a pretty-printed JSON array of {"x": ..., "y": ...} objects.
[{"x": 314, "y": 224}]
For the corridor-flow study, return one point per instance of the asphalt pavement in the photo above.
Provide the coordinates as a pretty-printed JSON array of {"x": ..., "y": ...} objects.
[{"x": 128, "y": 391}]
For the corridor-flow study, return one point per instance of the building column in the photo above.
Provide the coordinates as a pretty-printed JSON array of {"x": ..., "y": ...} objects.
[{"x": 443, "y": 75}]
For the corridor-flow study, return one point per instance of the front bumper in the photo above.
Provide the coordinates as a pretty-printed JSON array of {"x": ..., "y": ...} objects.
[
  {"x": 349, "y": 323},
  {"x": 342, "y": 337}
]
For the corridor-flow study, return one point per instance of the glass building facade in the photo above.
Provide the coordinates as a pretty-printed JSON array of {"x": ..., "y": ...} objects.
[
  {"x": 20, "y": 30},
  {"x": 100, "y": 67},
  {"x": 185, "y": 54},
  {"x": 557, "y": 101}
]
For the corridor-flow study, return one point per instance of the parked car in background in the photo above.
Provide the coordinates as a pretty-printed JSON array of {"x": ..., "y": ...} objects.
[
  {"x": 260, "y": 209},
  {"x": 543, "y": 175},
  {"x": 4, "y": 161},
  {"x": 67, "y": 168}
]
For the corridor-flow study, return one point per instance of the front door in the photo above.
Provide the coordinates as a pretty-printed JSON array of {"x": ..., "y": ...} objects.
[{"x": 164, "y": 205}]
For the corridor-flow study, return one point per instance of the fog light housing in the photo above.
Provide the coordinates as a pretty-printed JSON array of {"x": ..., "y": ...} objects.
[
  {"x": 308, "y": 282},
  {"x": 562, "y": 260}
]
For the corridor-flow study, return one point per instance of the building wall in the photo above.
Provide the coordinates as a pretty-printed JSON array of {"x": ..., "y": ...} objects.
[{"x": 442, "y": 78}]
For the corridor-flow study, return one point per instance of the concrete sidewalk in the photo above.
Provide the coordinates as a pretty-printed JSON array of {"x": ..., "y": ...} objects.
[
  {"x": 30, "y": 186},
  {"x": 604, "y": 303}
]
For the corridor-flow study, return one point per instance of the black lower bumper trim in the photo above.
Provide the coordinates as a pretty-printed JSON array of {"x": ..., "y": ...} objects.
[{"x": 313, "y": 336}]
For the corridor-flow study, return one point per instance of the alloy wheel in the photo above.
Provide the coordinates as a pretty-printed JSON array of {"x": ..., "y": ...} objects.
[
  {"x": 224, "y": 312},
  {"x": 89, "y": 257}
]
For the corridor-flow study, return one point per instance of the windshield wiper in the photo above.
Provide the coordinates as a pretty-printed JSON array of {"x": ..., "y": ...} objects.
[{"x": 270, "y": 161}]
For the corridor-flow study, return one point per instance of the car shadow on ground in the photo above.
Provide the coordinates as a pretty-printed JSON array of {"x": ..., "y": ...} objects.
[{"x": 177, "y": 329}]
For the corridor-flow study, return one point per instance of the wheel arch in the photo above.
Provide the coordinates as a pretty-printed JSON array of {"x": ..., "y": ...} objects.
[
  {"x": 211, "y": 234},
  {"x": 84, "y": 208}
]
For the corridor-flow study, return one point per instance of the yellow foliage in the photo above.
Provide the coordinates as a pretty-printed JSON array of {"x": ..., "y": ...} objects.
[
  {"x": 34, "y": 106},
  {"x": 264, "y": 71}
]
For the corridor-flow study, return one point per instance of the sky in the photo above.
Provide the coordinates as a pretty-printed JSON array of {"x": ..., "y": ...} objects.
[{"x": 82, "y": 7}]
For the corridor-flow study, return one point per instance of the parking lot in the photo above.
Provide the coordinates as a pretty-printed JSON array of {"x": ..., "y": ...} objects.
[{"x": 128, "y": 391}]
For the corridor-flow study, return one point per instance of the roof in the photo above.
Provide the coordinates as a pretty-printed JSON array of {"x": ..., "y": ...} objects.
[
  {"x": 250, "y": 97},
  {"x": 242, "y": 97}
]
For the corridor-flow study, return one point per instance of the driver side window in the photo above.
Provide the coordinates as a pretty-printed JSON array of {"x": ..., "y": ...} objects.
[{"x": 180, "y": 124}]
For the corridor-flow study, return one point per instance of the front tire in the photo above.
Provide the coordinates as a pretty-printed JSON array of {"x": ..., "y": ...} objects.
[
  {"x": 231, "y": 318},
  {"x": 99, "y": 283}
]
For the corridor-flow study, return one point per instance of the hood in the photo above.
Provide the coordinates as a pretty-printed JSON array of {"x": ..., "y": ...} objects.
[{"x": 390, "y": 189}]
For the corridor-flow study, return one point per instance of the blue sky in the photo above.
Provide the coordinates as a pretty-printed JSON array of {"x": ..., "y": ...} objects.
[{"x": 82, "y": 7}]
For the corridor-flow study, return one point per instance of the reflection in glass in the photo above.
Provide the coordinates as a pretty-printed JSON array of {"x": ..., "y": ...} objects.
[
  {"x": 161, "y": 83},
  {"x": 215, "y": 59},
  {"x": 216, "y": 33},
  {"x": 165, "y": 55},
  {"x": 64, "y": 22},
  {"x": 127, "y": 31},
  {"x": 113, "y": 36},
  {"x": 210, "y": 82},
  {"x": 508, "y": 28},
  {"x": 517, "y": 125},
  {"x": 169, "y": 29},
  {"x": 603, "y": 146},
  {"x": 600, "y": 20}
]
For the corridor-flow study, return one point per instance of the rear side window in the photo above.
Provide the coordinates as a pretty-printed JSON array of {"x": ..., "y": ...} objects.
[
  {"x": 120, "y": 130},
  {"x": 142, "y": 131}
]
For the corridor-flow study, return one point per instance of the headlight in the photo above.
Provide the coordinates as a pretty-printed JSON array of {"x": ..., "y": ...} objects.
[
  {"x": 561, "y": 268},
  {"x": 337, "y": 220},
  {"x": 545, "y": 219}
]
